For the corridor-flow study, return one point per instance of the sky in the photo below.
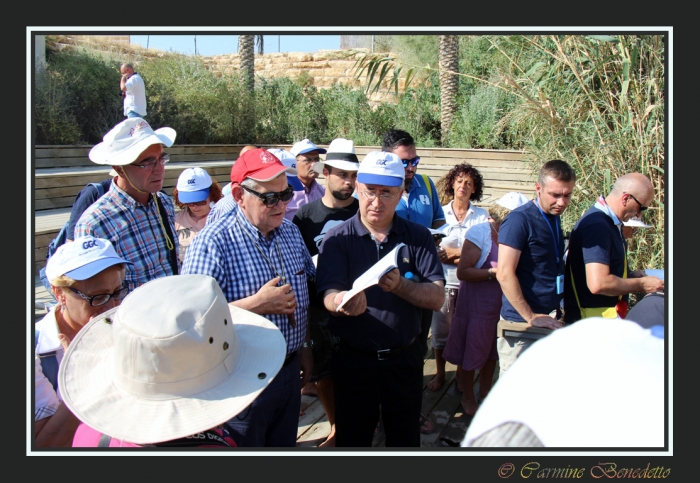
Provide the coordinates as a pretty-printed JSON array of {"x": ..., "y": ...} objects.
[{"x": 208, "y": 45}]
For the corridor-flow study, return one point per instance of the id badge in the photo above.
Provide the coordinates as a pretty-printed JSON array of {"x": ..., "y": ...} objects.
[{"x": 560, "y": 283}]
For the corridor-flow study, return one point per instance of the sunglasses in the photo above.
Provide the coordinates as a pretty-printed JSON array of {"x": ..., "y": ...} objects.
[
  {"x": 103, "y": 298},
  {"x": 197, "y": 203},
  {"x": 641, "y": 206},
  {"x": 271, "y": 198},
  {"x": 413, "y": 162}
]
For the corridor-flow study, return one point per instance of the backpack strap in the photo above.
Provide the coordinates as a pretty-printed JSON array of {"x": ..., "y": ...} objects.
[
  {"x": 104, "y": 441},
  {"x": 100, "y": 189},
  {"x": 49, "y": 363},
  {"x": 426, "y": 180}
]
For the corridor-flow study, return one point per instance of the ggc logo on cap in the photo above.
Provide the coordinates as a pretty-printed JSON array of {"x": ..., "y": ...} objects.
[
  {"x": 381, "y": 162},
  {"x": 191, "y": 181},
  {"x": 89, "y": 243}
]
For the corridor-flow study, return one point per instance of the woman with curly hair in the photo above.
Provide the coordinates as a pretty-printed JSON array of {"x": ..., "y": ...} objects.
[
  {"x": 196, "y": 193},
  {"x": 462, "y": 185}
]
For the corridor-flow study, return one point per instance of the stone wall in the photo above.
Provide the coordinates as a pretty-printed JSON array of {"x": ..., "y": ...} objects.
[{"x": 322, "y": 69}]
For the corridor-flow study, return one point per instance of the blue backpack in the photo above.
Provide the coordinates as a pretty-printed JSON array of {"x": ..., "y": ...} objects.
[{"x": 60, "y": 240}]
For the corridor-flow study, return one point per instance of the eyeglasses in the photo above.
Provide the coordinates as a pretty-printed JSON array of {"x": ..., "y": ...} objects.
[
  {"x": 271, "y": 198},
  {"x": 150, "y": 163},
  {"x": 641, "y": 206},
  {"x": 308, "y": 160},
  {"x": 383, "y": 197},
  {"x": 103, "y": 298},
  {"x": 196, "y": 203},
  {"x": 413, "y": 162}
]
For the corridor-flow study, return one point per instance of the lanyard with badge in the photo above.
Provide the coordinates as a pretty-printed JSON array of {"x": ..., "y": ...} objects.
[{"x": 560, "y": 276}]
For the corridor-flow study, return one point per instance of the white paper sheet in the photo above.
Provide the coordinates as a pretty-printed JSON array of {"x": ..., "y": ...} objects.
[{"x": 371, "y": 277}]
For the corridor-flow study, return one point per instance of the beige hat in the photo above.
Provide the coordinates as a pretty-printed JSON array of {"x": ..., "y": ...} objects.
[
  {"x": 174, "y": 359},
  {"x": 125, "y": 141},
  {"x": 341, "y": 155}
]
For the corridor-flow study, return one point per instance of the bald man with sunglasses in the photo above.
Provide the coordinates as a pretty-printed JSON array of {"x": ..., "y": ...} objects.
[
  {"x": 597, "y": 276},
  {"x": 262, "y": 265}
]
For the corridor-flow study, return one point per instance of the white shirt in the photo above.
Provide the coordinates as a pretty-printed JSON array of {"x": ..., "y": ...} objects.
[
  {"x": 135, "y": 99},
  {"x": 456, "y": 231}
]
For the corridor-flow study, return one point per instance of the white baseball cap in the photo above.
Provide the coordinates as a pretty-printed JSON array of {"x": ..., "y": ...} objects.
[
  {"x": 636, "y": 223},
  {"x": 290, "y": 161},
  {"x": 304, "y": 146},
  {"x": 382, "y": 168},
  {"x": 341, "y": 155},
  {"x": 193, "y": 185},
  {"x": 83, "y": 258},
  {"x": 174, "y": 359},
  {"x": 125, "y": 141},
  {"x": 512, "y": 200}
]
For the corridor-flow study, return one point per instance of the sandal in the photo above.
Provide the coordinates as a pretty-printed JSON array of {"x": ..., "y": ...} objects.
[{"x": 426, "y": 425}]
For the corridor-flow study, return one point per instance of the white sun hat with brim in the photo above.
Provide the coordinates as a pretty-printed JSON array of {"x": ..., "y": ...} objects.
[
  {"x": 512, "y": 200},
  {"x": 123, "y": 144},
  {"x": 381, "y": 168},
  {"x": 193, "y": 185},
  {"x": 636, "y": 223},
  {"x": 341, "y": 155},
  {"x": 174, "y": 359},
  {"x": 289, "y": 161},
  {"x": 305, "y": 146},
  {"x": 84, "y": 258}
]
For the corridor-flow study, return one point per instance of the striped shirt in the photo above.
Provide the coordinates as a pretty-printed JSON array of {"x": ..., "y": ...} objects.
[
  {"x": 303, "y": 197},
  {"x": 135, "y": 232},
  {"x": 221, "y": 207},
  {"x": 229, "y": 250}
]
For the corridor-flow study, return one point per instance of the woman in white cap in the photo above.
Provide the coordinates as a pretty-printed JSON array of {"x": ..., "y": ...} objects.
[
  {"x": 168, "y": 367},
  {"x": 196, "y": 194},
  {"x": 462, "y": 185},
  {"x": 86, "y": 277},
  {"x": 471, "y": 344}
]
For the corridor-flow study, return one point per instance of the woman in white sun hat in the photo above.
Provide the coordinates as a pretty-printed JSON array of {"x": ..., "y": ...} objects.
[
  {"x": 196, "y": 194},
  {"x": 168, "y": 367},
  {"x": 86, "y": 277},
  {"x": 471, "y": 343}
]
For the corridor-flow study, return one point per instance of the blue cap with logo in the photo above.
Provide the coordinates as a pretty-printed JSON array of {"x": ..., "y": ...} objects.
[{"x": 381, "y": 168}]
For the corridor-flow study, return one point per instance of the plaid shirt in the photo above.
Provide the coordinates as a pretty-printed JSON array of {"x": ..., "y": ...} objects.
[
  {"x": 221, "y": 207},
  {"x": 134, "y": 230},
  {"x": 225, "y": 251}
]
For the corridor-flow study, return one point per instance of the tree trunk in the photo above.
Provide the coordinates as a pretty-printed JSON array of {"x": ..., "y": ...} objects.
[
  {"x": 449, "y": 81},
  {"x": 246, "y": 52}
]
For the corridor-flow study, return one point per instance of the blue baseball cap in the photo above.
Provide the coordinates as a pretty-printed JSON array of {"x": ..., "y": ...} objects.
[{"x": 381, "y": 168}]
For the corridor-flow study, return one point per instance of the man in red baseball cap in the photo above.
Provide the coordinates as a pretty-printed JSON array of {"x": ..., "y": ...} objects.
[{"x": 262, "y": 265}]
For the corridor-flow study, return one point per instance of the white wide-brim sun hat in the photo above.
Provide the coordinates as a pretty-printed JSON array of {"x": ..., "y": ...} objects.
[
  {"x": 174, "y": 359},
  {"x": 125, "y": 141}
]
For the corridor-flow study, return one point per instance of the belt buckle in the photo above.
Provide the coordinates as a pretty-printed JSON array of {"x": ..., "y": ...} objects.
[{"x": 383, "y": 354}]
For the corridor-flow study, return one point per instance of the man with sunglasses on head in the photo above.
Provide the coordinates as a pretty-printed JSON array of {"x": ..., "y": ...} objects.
[
  {"x": 135, "y": 215},
  {"x": 260, "y": 262},
  {"x": 307, "y": 155},
  {"x": 597, "y": 274}
]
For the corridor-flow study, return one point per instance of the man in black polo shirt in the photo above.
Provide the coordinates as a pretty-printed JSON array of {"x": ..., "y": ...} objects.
[{"x": 378, "y": 363}]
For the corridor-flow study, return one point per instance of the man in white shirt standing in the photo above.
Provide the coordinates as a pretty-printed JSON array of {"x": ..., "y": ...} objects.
[{"x": 134, "y": 92}]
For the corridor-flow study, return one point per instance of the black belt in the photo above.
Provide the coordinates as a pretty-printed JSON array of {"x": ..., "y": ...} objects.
[
  {"x": 382, "y": 354},
  {"x": 289, "y": 358}
]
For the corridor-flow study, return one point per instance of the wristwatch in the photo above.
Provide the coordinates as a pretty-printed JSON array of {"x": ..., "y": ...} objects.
[
  {"x": 308, "y": 344},
  {"x": 490, "y": 274}
]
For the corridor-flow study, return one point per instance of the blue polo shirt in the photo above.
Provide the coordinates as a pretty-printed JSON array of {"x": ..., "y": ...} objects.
[
  {"x": 594, "y": 239},
  {"x": 347, "y": 251},
  {"x": 421, "y": 208},
  {"x": 525, "y": 229}
]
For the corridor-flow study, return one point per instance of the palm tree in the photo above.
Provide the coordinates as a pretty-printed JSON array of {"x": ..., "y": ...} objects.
[
  {"x": 246, "y": 51},
  {"x": 448, "y": 53}
]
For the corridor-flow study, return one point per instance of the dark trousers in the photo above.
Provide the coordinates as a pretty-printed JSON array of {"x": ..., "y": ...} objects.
[
  {"x": 426, "y": 320},
  {"x": 272, "y": 419},
  {"x": 363, "y": 384}
]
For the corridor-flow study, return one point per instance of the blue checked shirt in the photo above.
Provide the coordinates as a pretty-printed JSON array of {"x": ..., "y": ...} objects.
[
  {"x": 221, "y": 207},
  {"x": 222, "y": 250},
  {"x": 135, "y": 232}
]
